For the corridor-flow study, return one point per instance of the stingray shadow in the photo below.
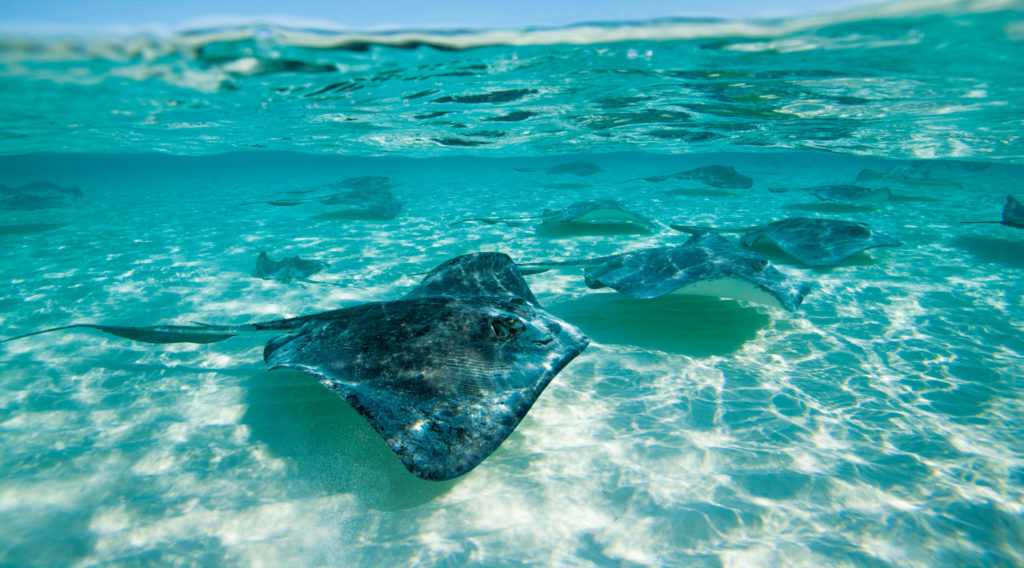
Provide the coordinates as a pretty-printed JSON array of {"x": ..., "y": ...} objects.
[
  {"x": 350, "y": 215},
  {"x": 331, "y": 447},
  {"x": 689, "y": 325},
  {"x": 831, "y": 207},
  {"x": 1008, "y": 252},
  {"x": 28, "y": 228},
  {"x": 588, "y": 229}
]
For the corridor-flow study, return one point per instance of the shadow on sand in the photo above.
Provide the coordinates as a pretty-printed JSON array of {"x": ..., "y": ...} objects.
[{"x": 330, "y": 447}]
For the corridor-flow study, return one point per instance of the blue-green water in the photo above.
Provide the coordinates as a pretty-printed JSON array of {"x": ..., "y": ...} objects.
[{"x": 877, "y": 425}]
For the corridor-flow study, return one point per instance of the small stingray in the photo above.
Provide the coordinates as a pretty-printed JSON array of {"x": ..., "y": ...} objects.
[
  {"x": 814, "y": 242},
  {"x": 288, "y": 268},
  {"x": 37, "y": 195},
  {"x": 906, "y": 176},
  {"x": 443, "y": 375},
  {"x": 595, "y": 211},
  {"x": 581, "y": 169},
  {"x": 722, "y": 177},
  {"x": 1013, "y": 214},
  {"x": 846, "y": 193},
  {"x": 706, "y": 265}
]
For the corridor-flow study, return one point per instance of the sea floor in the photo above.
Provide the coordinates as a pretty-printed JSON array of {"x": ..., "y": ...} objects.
[{"x": 877, "y": 425}]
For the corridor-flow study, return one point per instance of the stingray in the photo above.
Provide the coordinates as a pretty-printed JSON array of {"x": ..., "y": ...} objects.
[
  {"x": 444, "y": 374},
  {"x": 37, "y": 195},
  {"x": 595, "y": 211},
  {"x": 581, "y": 169},
  {"x": 1013, "y": 214},
  {"x": 906, "y": 176},
  {"x": 368, "y": 193},
  {"x": 288, "y": 268},
  {"x": 706, "y": 265},
  {"x": 722, "y": 177},
  {"x": 814, "y": 242},
  {"x": 847, "y": 193}
]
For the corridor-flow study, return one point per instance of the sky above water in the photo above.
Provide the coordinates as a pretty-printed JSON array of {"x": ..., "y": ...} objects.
[{"x": 391, "y": 13}]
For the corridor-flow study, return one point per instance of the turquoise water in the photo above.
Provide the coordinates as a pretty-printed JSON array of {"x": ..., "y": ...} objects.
[{"x": 877, "y": 425}]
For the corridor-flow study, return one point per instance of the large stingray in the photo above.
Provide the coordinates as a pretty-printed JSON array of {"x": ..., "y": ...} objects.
[
  {"x": 706, "y": 265},
  {"x": 722, "y": 177},
  {"x": 1013, "y": 214},
  {"x": 288, "y": 268},
  {"x": 595, "y": 211},
  {"x": 814, "y": 242},
  {"x": 37, "y": 195},
  {"x": 444, "y": 374}
]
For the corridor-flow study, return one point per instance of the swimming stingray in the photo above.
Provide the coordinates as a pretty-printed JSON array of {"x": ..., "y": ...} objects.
[
  {"x": 581, "y": 169},
  {"x": 723, "y": 177},
  {"x": 443, "y": 375},
  {"x": 847, "y": 193},
  {"x": 288, "y": 268},
  {"x": 594, "y": 211},
  {"x": 706, "y": 265},
  {"x": 1013, "y": 214},
  {"x": 907, "y": 176},
  {"x": 814, "y": 242},
  {"x": 369, "y": 193},
  {"x": 37, "y": 195}
]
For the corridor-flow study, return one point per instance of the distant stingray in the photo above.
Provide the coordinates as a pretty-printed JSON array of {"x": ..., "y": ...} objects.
[
  {"x": 814, "y": 242},
  {"x": 288, "y": 268},
  {"x": 443, "y": 375},
  {"x": 706, "y": 265},
  {"x": 847, "y": 193},
  {"x": 722, "y": 177},
  {"x": 37, "y": 195},
  {"x": 581, "y": 169},
  {"x": 906, "y": 176},
  {"x": 595, "y": 211},
  {"x": 371, "y": 194},
  {"x": 1013, "y": 214}
]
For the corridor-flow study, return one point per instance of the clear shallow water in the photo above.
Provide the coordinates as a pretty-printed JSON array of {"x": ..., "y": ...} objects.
[{"x": 877, "y": 425}]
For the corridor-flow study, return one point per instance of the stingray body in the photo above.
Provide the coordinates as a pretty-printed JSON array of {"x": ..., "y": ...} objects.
[
  {"x": 595, "y": 211},
  {"x": 906, "y": 176},
  {"x": 37, "y": 195},
  {"x": 1013, "y": 214},
  {"x": 814, "y": 242},
  {"x": 706, "y": 265},
  {"x": 288, "y": 268},
  {"x": 443, "y": 375},
  {"x": 581, "y": 169},
  {"x": 848, "y": 193},
  {"x": 370, "y": 193},
  {"x": 722, "y": 177}
]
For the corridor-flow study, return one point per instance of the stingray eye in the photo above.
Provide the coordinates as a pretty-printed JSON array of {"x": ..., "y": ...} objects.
[{"x": 506, "y": 328}]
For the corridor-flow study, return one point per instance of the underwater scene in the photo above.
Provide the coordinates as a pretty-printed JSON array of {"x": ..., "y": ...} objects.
[{"x": 674, "y": 293}]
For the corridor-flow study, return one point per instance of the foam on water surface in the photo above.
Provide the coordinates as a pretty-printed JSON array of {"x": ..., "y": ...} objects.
[{"x": 877, "y": 425}]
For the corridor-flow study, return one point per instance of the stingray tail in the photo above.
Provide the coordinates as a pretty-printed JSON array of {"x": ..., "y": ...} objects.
[
  {"x": 150, "y": 334},
  {"x": 979, "y": 222},
  {"x": 693, "y": 229}
]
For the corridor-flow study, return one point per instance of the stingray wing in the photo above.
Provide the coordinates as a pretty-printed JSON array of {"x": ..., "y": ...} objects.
[
  {"x": 820, "y": 242},
  {"x": 443, "y": 380},
  {"x": 1013, "y": 213},
  {"x": 708, "y": 259},
  {"x": 482, "y": 274}
]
